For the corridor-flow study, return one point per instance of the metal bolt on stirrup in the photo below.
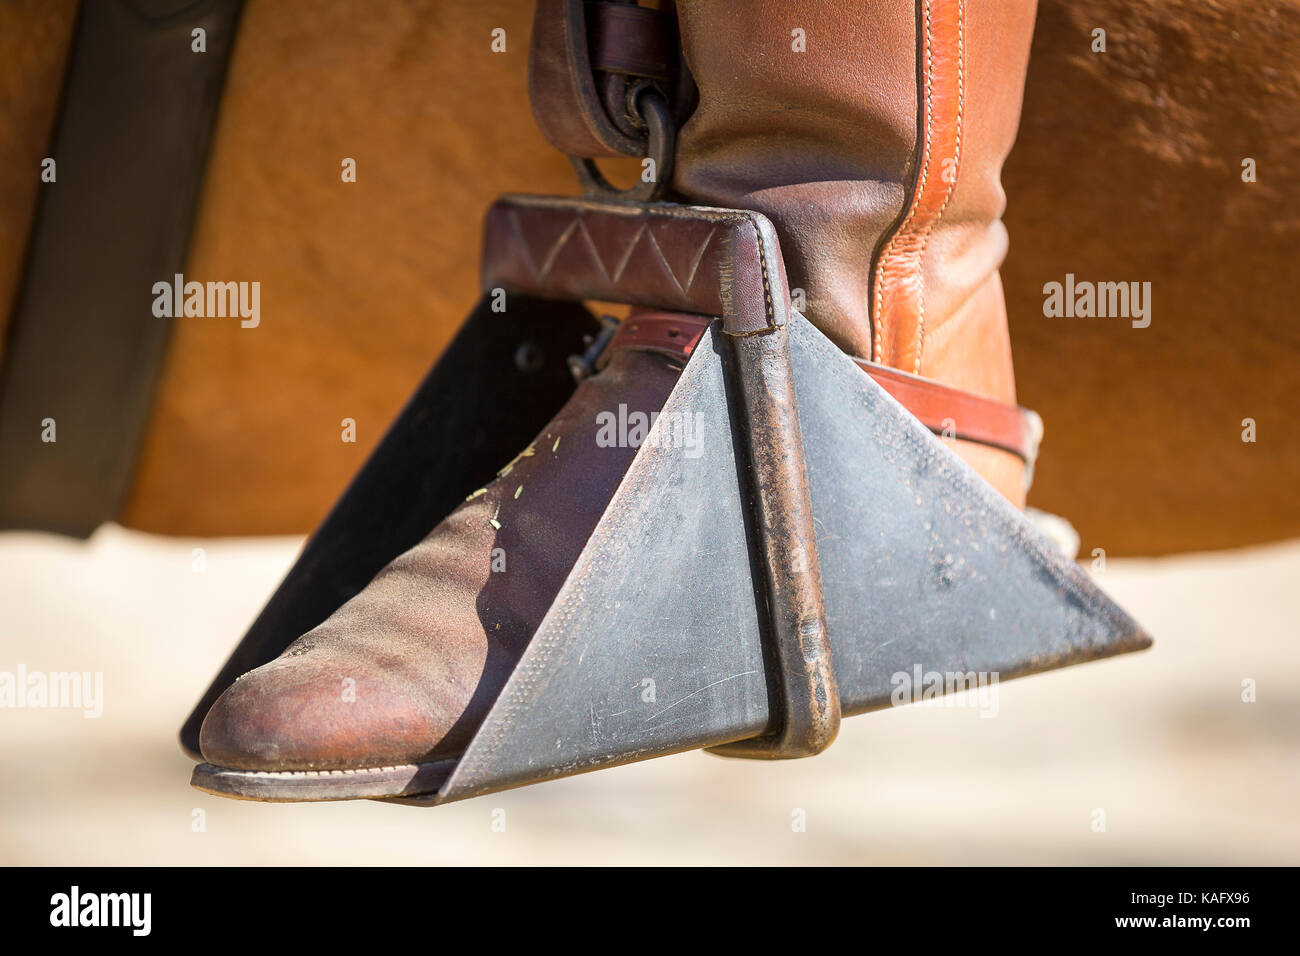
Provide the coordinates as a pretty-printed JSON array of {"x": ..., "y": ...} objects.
[{"x": 584, "y": 365}]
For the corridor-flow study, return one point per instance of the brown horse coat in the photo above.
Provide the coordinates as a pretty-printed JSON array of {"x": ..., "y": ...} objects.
[{"x": 1128, "y": 168}]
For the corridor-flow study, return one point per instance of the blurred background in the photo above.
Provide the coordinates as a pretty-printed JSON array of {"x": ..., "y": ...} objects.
[
  {"x": 1128, "y": 165},
  {"x": 1161, "y": 741}
]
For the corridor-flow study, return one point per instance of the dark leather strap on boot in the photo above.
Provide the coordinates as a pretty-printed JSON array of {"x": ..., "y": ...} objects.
[
  {"x": 604, "y": 78},
  {"x": 585, "y": 63}
]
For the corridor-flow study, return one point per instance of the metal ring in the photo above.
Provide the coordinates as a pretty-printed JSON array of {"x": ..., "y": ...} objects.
[{"x": 652, "y": 108}]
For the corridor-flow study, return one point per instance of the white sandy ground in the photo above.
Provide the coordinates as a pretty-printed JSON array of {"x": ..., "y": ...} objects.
[{"x": 1184, "y": 770}]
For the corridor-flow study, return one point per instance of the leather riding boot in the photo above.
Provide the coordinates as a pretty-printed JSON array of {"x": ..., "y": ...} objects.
[
  {"x": 404, "y": 672},
  {"x": 873, "y": 136}
]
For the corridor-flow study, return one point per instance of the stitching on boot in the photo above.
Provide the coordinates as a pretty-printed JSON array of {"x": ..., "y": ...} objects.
[
  {"x": 914, "y": 202},
  {"x": 904, "y": 252},
  {"x": 956, "y": 171}
]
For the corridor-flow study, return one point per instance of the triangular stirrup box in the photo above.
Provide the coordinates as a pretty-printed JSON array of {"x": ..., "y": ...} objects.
[
  {"x": 811, "y": 542},
  {"x": 702, "y": 577}
]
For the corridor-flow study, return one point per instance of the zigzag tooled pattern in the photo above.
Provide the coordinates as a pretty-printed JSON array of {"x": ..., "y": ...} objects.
[
  {"x": 611, "y": 275},
  {"x": 605, "y": 262},
  {"x": 694, "y": 259}
]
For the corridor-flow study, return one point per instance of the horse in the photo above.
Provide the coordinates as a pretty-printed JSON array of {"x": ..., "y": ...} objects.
[{"x": 1161, "y": 150}]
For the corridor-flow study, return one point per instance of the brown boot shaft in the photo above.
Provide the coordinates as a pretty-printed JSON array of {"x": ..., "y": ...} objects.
[{"x": 877, "y": 151}]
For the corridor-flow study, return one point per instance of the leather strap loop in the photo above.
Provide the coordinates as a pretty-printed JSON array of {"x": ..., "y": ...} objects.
[
  {"x": 576, "y": 47},
  {"x": 629, "y": 39}
]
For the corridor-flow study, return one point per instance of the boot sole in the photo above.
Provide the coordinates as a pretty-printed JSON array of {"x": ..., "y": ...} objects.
[{"x": 304, "y": 786}]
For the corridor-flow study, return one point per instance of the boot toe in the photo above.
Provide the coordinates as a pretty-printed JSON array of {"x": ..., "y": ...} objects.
[{"x": 320, "y": 712}]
